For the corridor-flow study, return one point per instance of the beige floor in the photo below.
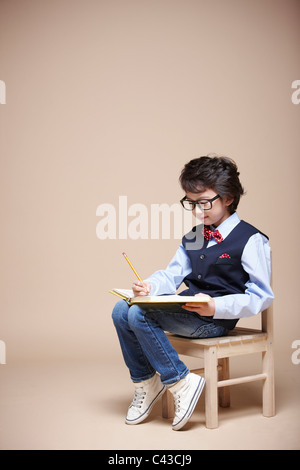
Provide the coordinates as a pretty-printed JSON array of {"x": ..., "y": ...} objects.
[{"x": 81, "y": 405}]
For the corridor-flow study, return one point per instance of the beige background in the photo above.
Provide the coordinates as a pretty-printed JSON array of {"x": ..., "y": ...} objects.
[{"x": 110, "y": 98}]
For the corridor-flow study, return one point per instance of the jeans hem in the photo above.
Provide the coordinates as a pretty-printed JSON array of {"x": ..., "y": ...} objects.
[
  {"x": 146, "y": 377},
  {"x": 173, "y": 381}
]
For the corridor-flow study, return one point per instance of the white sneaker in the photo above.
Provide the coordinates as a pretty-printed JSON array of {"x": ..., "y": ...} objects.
[
  {"x": 146, "y": 395},
  {"x": 186, "y": 393}
]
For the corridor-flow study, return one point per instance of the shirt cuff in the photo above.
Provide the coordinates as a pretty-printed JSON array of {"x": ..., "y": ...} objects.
[
  {"x": 235, "y": 306},
  {"x": 231, "y": 307},
  {"x": 154, "y": 286}
]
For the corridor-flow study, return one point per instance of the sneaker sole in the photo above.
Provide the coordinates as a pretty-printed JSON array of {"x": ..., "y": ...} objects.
[
  {"x": 191, "y": 407},
  {"x": 148, "y": 410}
]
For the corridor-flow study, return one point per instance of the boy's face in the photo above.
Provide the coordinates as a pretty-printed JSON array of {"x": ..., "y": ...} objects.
[{"x": 218, "y": 212}]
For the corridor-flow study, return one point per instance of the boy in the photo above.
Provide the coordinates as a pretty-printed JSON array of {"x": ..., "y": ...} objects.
[{"x": 232, "y": 267}]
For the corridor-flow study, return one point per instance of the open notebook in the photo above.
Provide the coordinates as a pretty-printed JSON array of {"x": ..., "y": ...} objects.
[{"x": 165, "y": 301}]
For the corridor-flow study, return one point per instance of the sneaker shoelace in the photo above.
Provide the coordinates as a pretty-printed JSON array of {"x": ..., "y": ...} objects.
[
  {"x": 138, "y": 398},
  {"x": 177, "y": 396},
  {"x": 177, "y": 402}
]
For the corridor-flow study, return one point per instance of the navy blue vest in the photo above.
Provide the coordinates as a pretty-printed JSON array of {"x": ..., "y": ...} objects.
[{"x": 215, "y": 275}]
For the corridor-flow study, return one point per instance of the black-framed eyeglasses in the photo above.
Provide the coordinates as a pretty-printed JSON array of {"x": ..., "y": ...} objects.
[{"x": 204, "y": 204}]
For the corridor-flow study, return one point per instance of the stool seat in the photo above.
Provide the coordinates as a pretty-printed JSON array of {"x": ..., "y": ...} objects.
[{"x": 236, "y": 338}]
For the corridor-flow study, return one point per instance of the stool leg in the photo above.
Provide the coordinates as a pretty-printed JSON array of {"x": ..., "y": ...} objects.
[
  {"x": 269, "y": 383},
  {"x": 224, "y": 392},
  {"x": 211, "y": 387}
]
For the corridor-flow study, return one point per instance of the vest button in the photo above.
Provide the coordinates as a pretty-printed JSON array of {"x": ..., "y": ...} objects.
[
  {"x": 202, "y": 256},
  {"x": 199, "y": 276}
]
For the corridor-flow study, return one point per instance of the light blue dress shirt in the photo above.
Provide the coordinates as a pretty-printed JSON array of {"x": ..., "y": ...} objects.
[{"x": 256, "y": 261}]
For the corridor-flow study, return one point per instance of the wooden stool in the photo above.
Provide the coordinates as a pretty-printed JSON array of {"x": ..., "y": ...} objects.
[{"x": 216, "y": 353}]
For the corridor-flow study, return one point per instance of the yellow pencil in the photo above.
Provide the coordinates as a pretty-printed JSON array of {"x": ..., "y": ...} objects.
[{"x": 126, "y": 257}]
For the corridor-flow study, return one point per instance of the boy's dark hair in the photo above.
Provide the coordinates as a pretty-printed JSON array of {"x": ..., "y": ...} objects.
[{"x": 213, "y": 172}]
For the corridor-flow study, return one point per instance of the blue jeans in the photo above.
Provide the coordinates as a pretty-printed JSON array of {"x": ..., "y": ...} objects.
[{"x": 145, "y": 346}]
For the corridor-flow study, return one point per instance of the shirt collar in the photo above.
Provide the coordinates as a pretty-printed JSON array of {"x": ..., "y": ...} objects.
[{"x": 228, "y": 225}]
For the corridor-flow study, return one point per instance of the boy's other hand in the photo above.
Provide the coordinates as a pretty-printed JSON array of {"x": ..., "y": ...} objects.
[
  {"x": 207, "y": 309},
  {"x": 141, "y": 288}
]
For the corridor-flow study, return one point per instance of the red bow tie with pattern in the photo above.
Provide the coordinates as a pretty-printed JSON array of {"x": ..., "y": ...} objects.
[{"x": 208, "y": 234}]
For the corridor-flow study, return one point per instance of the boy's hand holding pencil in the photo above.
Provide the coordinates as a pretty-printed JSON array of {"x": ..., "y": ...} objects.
[{"x": 141, "y": 288}]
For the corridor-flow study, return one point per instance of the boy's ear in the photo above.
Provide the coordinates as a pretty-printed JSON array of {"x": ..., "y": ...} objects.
[{"x": 228, "y": 200}]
